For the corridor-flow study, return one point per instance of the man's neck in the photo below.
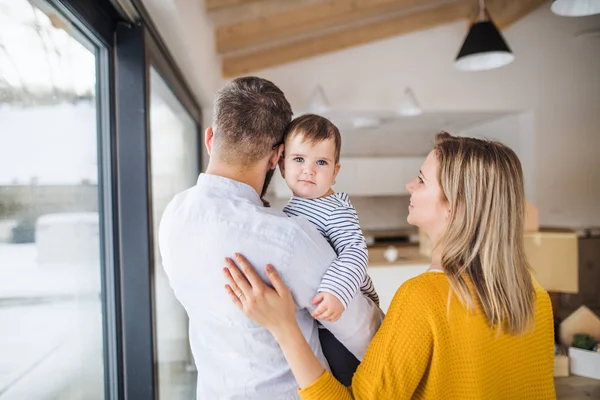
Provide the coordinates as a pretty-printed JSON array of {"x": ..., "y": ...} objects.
[{"x": 253, "y": 176}]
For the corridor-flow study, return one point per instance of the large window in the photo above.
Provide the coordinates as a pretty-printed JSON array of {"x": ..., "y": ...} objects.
[
  {"x": 89, "y": 98},
  {"x": 173, "y": 143},
  {"x": 51, "y": 332}
]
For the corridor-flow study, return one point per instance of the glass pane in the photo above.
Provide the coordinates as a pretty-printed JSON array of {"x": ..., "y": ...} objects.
[
  {"x": 174, "y": 158},
  {"x": 51, "y": 343}
]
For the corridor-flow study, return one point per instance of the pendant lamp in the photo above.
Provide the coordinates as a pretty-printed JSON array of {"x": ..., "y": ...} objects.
[
  {"x": 409, "y": 106},
  {"x": 318, "y": 103},
  {"x": 484, "y": 47}
]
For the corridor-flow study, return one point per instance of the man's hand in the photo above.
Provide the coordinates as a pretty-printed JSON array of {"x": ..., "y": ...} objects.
[{"x": 329, "y": 309}]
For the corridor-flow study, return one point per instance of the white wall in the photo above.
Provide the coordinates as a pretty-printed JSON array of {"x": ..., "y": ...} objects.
[
  {"x": 555, "y": 77},
  {"x": 189, "y": 35},
  {"x": 517, "y": 132}
]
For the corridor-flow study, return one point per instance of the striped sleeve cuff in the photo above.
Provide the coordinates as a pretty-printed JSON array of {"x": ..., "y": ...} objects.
[{"x": 325, "y": 388}]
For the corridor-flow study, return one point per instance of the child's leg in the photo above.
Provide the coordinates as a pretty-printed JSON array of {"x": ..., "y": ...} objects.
[{"x": 343, "y": 364}]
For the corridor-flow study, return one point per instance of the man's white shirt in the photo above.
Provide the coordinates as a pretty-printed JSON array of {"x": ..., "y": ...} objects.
[{"x": 236, "y": 358}]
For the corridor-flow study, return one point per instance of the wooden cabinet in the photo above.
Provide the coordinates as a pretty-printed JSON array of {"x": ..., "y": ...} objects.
[
  {"x": 589, "y": 281},
  {"x": 589, "y": 272},
  {"x": 368, "y": 176}
]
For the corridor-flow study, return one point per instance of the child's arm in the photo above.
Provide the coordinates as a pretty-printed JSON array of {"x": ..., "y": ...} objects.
[{"x": 348, "y": 272}]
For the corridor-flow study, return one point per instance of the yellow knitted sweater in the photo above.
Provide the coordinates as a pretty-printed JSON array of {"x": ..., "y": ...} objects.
[{"x": 422, "y": 351}]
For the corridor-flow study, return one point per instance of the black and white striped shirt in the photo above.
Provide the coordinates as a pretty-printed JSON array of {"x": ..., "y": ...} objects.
[{"x": 336, "y": 219}]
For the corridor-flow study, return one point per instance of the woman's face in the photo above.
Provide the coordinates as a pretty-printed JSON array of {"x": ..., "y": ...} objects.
[{"x": 428, "y": 208}]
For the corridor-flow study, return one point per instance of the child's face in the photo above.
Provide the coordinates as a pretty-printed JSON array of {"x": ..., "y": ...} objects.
[{"x": 309, "y": 170}]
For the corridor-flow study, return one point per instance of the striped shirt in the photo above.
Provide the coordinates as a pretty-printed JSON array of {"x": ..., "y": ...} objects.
[{"x": 336, "y": 219}]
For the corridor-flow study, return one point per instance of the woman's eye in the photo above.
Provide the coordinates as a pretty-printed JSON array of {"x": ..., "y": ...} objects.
[
  {"x": 322, "y": 162},
  {"x": 298, "y": 159}
]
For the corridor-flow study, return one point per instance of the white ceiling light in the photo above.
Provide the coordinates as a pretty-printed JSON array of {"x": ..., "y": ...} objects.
[
  {"x": 366, "y": 122},
  {"x": 575, "y": 8},
  {"x": 409, "y": 106},
  {"x": 318, "y": 103}
]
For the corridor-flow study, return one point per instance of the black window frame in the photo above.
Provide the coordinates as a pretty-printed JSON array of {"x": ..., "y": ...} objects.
[{"x": 126, "y": 52}]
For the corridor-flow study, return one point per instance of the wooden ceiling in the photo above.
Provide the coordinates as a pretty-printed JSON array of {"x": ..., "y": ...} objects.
[{"x": 256, "y": 34}]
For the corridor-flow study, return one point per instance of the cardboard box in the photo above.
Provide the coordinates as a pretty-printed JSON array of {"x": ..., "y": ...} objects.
[
  {"x": 561, "y": 366},
  {"x": 584, "y": 363},
  {"x": 532, "y": 219},
  {"x": 554, "y": 259}
]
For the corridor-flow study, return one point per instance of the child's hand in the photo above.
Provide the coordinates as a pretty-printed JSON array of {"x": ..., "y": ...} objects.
[{"x": 330, "y": 308}]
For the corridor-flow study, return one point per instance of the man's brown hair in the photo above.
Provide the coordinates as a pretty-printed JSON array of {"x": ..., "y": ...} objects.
[
  {"x": 314, "y": 129},
  {"x": 249, "y": 120}
]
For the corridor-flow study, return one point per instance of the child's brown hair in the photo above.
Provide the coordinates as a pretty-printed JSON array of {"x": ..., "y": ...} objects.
[{"x": 314, "y": 129}]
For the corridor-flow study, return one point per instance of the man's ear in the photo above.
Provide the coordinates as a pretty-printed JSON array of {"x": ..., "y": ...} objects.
[
  {"x": 275, "y": 157},
  {"x": 208, "y": 139}
]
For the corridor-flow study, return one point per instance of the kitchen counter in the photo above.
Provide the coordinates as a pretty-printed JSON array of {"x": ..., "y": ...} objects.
[
  {"x": 408, "y": 254},
  {"x": 388, "y": 276}
]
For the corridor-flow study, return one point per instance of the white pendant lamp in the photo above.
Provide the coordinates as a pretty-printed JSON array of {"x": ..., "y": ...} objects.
[
  {"x": 318, "y": 103},
  {"x": 409, "y": 106}
]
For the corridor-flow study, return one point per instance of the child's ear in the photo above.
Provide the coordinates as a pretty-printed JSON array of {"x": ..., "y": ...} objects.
[
  {"x": 336, "y": 170},
  {"x": 282, "y": 166}
]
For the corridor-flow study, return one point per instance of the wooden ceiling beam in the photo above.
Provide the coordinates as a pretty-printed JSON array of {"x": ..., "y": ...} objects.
[
  {"x": 503, "y": 12},
  {"x": 215, "y": 5},
  {"x": 306, "y": 20},
  {"x": 506, "y": 12},
  {"x": 344, "y": 38}
]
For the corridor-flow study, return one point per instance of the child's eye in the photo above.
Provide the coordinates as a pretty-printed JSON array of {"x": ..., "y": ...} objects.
[
  {"x": 298, "y": 159},
  {"x": 322, "y": 162},
  {"x": 420, "y": 179}
]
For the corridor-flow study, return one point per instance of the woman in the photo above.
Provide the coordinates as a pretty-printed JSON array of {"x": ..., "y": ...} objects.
[{"x": 474, "y": 326}]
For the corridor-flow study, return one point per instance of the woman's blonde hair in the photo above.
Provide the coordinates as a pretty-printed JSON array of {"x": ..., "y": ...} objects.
[{"x": 482, "y": 181}]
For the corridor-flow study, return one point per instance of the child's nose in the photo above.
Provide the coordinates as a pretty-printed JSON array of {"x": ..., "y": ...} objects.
[{"x": 309, "y": 169}]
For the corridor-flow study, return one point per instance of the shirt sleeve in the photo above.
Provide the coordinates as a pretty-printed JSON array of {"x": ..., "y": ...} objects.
[
  {"x": 348, "y": 272},
  {"x": 395, "y": 361},
  {"x": 311, "y": 257}
]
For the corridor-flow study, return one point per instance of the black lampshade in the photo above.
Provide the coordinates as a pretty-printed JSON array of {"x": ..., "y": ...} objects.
[{"x": 484, "y": 48}]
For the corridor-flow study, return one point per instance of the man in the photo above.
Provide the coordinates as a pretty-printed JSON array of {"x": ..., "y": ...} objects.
[{"x": 223, "y": 214}]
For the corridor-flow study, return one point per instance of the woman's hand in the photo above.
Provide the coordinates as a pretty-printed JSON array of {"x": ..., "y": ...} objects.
[{"x": 274, "y": 309}]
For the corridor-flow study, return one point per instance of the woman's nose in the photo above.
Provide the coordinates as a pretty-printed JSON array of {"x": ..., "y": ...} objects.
[{"x": 410, "y": 185}]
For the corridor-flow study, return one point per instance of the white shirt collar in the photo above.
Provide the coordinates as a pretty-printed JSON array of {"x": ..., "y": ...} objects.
[{"x": 233, "y": 187}]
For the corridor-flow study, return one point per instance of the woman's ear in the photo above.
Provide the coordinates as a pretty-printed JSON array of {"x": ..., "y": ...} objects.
[{"x": 448, "y": 211}]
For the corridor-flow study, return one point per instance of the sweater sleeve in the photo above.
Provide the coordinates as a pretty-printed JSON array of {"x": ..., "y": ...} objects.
[
  {"x": 348, "y": 272},
  {"x": 396, "y": 359}
]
